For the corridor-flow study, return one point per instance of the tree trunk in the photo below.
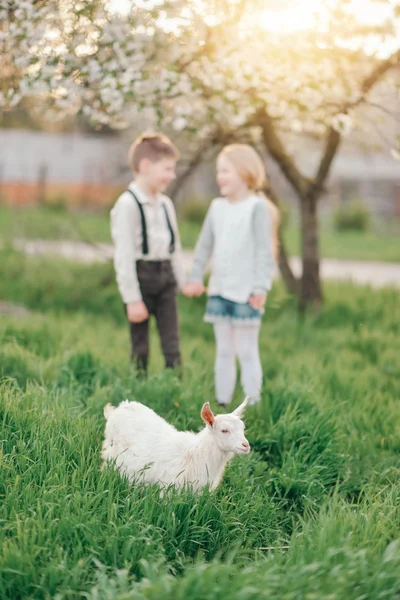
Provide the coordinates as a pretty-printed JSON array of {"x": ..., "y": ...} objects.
[
  {"x": 292, "y": 284},
  {"x": 310, "y": 289}
]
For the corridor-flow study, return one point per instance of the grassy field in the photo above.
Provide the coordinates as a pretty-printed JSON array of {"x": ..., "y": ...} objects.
[
  {"x": 321, "y": 485},
  {"x": 381, "y": 243}
]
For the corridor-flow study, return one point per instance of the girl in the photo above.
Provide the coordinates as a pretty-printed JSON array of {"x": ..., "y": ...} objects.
[{"x": 240, "y": 232}]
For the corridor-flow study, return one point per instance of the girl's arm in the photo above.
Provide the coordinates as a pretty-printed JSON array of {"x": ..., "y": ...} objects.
[
  {"x": 203, "y": 249},
  {"x": 264, "y": 260}
]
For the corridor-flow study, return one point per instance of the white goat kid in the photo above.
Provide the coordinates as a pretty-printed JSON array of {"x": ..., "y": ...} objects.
[{"x": 148, "y": 449}]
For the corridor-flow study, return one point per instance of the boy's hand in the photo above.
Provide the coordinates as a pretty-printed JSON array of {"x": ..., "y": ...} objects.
[
  {"x": 193, "y": 288},
  {"x": 137, "y": 312},
  {"x": 257, "y": 301}
]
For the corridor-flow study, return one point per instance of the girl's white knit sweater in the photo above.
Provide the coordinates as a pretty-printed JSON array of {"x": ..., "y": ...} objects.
[{"x": 238, "y": 237}]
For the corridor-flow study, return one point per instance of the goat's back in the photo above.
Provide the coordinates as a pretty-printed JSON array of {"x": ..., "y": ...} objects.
[
  {"x": 134, "y": 433},
  {"x": 134, "y": 418}
]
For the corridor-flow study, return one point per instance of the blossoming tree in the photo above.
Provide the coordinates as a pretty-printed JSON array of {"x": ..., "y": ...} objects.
[{"x": 216, "y": 69}]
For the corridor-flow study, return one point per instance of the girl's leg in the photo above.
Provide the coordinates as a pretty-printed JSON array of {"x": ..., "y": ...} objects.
[
  {"x": 225, "y": 363},
  {"x": 246, "y": 342}
]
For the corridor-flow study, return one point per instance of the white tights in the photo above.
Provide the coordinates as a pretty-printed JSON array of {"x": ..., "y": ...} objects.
[{"x": 240, "y": 341}]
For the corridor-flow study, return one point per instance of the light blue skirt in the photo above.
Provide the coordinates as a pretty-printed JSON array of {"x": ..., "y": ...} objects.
[{"x": 221, "y": 310}]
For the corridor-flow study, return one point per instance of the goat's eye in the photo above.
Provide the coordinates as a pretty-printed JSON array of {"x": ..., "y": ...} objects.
[{"x": 224, "y": 430}]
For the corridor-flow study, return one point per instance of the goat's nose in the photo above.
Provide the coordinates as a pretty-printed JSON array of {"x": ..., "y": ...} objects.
[{"x": 246, "y": 445}]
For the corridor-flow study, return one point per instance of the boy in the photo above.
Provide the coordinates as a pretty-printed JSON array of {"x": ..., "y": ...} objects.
[{"x": 147, "y": 257}]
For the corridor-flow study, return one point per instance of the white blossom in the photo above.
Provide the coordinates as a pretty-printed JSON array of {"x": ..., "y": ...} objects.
[
  {"x": 342, "y": 123},
  {"x": 179, "y": 123},
  {"x": 192, "y": 73}
]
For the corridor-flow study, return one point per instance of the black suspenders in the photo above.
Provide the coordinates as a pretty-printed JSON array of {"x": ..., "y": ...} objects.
[
  {"x": 171, "y": 231},
  {"x": 145, "y": 243}
]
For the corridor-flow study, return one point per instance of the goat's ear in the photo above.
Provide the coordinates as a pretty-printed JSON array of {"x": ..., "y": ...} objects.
[
  {"x": 239, "y": 411},
  {"x": 207, "y": 415}
]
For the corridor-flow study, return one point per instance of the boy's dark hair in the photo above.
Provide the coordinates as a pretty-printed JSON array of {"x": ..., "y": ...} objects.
[{"x": 154, "y": 147}]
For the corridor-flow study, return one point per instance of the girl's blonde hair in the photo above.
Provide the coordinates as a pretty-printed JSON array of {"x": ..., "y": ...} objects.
[{"x": 247, "y": 162}]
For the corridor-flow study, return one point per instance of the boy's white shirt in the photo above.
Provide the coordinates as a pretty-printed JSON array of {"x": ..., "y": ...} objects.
[{"x": 126, "y": 233}]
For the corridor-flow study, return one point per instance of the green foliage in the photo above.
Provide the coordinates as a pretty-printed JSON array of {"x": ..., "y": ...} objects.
[
  {"x": 353, "y": 216},
  {"x": 58, "y": 204}
]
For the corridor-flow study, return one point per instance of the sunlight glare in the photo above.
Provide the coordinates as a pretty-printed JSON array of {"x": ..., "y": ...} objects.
[
  {"x": 294, "y": 18},
  {"x": 302, "y": 16},
  {"x": 370, "y": 13},
  {"x": 120, "y": 6},
  {"x": 123, "y": 7}
]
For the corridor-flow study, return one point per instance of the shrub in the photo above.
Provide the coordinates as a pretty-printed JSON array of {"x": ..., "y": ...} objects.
[
  {"x": 353, "y": 216},
  {"x": 56, "y": 204}
]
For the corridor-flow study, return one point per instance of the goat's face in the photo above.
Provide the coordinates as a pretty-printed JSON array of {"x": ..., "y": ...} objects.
[{"x": 227, "y": 429}]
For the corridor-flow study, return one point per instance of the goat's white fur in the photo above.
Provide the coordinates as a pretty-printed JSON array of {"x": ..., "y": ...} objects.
[{"x": 148, "y": 449}]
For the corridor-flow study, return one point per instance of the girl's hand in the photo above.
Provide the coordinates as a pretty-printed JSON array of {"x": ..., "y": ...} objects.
[
  {"x": 193, "y": 288},
  {"x": 258, "y": 301}
]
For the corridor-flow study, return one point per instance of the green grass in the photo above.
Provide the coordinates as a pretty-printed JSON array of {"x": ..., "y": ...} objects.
[
  {"x": 381, "y": 243},
  {"x": 50, "y": 224},
  {"x": 322, "y": 477}
]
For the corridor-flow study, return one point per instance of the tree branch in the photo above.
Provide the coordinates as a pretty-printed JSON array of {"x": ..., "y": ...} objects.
[
  {"x": 334, "y": 138},
  {"x": 276, "y": 149},
  {"x": 218, "y": 138},
  {"x": 331, "y": 147},
  {"x": 233, "y": 16},
  {"x": 378, "y": 73},
  {"x": 193, "y": 163},
  {"x": 382, "y": 136},
  {"x": 383, "y": 109}
]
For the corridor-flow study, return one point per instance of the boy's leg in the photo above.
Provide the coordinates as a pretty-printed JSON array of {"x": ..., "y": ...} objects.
[
  {"x": 246, "y": 341},
  {"x": 225, "y": 362},
  {"x": 166, "y": 313},
  {"x": 140, "y": 331},
  {"x": 140, "y": 345}
]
